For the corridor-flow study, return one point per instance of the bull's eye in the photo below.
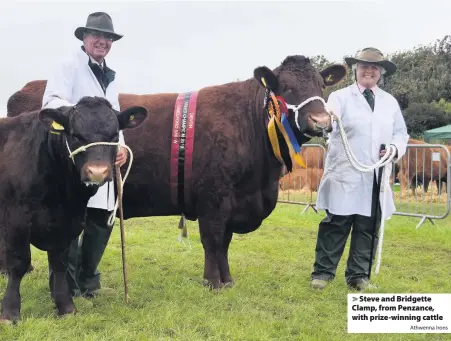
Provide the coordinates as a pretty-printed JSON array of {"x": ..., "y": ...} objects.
[{"x": 286, "y": 89}]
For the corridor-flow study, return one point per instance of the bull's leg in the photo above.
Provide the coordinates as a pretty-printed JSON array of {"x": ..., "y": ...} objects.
[
  {"x": 414, "y": 184},
  {"x": 17, "y": 258},
  {"x": 212, "y": 237},
  {"x": 223, "y": 259},
  {"x": 58, "y": 260},
  {"x": 426, "y": 185},
  {"x": 443, "y": 185},
  {"x": 2, "y": 253},
  {"x": 404, "y": 182}
]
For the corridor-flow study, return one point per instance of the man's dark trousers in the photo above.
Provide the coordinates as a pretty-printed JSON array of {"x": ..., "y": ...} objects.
[{"x": 86, "y": 252}]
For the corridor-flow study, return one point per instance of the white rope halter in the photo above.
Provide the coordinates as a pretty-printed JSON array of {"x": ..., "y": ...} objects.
[
  {"x": 296, "y": 108},
  {"x": 122, "y": 181}
]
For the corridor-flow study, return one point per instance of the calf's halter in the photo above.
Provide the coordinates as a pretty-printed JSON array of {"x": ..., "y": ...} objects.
[{"x": 121, "y": 181}]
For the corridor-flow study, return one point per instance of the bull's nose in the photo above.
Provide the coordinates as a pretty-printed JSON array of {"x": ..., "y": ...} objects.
[
  {"x": 97, "y": 173},
  {"x": 322, "y": 122}
]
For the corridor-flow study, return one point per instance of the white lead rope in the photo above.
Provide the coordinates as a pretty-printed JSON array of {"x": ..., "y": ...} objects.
[
  {"x": 122, "y": 181},
  {"x": 120, "y": 185},
  {"x": 385, "y": 185}
]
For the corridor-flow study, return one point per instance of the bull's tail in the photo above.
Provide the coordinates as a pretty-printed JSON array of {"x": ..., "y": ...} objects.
[
  {"x": 183, "y": 231},
  {"x": 182, "y": 227}
]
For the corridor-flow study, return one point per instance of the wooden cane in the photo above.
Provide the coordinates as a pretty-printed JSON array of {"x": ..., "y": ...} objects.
[{"x": 121, "y": 220}]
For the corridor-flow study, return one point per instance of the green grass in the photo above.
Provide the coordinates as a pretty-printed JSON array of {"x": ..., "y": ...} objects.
[{"x": 271, "y": 299}]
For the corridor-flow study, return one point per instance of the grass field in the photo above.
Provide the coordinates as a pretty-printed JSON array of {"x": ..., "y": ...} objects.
[{"x": 271, "y": 299}]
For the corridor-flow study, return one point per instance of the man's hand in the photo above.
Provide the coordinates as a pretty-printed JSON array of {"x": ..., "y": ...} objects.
[{"x": 121, "y": 157}]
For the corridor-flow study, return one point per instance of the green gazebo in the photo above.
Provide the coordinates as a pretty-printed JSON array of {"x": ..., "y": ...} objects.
[{"x": 442, "y": 134}]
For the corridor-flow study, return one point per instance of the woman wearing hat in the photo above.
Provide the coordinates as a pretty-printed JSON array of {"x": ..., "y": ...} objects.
[
  {"x": 371, "y": 117},
  {"x": 86, "y": 74}
]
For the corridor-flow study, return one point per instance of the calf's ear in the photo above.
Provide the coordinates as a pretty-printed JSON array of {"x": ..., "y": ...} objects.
[
  {"x": 55, "y": 119},
  {"x": 132, "y": 117},
  {"x": 266, "y": 78}
]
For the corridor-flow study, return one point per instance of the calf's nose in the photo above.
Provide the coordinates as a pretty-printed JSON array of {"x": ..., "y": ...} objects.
[{"x": 97, "y": 173}]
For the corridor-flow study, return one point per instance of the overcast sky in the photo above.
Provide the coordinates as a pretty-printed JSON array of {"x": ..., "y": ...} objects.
[{"x": 173, "y": 46}]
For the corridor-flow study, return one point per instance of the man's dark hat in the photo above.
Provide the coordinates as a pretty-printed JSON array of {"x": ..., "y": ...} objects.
[{"x": 98, "y": 21}]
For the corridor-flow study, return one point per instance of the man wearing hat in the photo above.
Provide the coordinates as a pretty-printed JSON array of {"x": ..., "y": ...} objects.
[
  {"x": 370, "y": 117},
  {"x": 87, "y": 74}
]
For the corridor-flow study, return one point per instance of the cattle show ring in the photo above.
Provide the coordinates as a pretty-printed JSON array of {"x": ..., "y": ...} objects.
[
  {"x": 215, "y": 219},
  {"x": 272, "y": 260}
]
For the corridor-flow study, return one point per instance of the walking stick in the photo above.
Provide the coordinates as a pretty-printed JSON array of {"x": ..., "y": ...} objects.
[
  {"x": 376, "y": 206},
  {"x": 121, "y": 215}
]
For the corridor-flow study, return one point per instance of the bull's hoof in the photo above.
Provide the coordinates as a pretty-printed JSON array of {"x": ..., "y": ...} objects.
[
  {"x": 66, "y": 309},
  {"x": 212, "y": 284},
  {"x": 7, "y": 322},
  {"x": 66, "y": 312},
  {"x": 227, "y": 285},
  {"x": 7, "y": 319}
]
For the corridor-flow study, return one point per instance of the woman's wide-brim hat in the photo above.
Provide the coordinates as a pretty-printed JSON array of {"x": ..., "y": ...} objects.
[
  {"x": 374, "y": 56},
  {"x": 98, "y": 21}
]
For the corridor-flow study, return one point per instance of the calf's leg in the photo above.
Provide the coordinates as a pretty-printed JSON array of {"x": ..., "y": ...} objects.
[
  {"x": 17, "y": 258},
  {"x": 58, "y": 260}
]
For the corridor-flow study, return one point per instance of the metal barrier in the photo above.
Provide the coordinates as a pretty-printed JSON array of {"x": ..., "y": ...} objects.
[
  {"x": 304, "y": 182},
  {"x": 423, "y": 164}
]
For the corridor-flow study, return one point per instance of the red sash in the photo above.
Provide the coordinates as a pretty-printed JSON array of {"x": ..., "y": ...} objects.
[{"x": 182, "y": 148}]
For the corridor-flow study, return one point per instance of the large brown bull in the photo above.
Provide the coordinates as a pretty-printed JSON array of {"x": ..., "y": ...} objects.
[
  {"x": 235, "y": 173},
  {"x": 418, "y": 167}
]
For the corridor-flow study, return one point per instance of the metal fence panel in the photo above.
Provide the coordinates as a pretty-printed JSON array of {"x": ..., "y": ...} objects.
[
  {"x": 300, "y": 186},
  {"x": 425, "y": 165}
]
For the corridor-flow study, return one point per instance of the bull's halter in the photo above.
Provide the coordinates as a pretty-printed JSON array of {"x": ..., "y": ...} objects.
[
  {"x": 277, "y": 110},
  {"x": 122, "y": 180},
  {"x": 296, "y": 109}
]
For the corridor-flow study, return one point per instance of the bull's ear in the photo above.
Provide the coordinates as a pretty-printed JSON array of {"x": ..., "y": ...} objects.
[
  {"x": 266, "y": 78},
  {"x": 132, "y": 117},
  {"x": 333, "y": 74},
  {"x": 55, "y": 119}
]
